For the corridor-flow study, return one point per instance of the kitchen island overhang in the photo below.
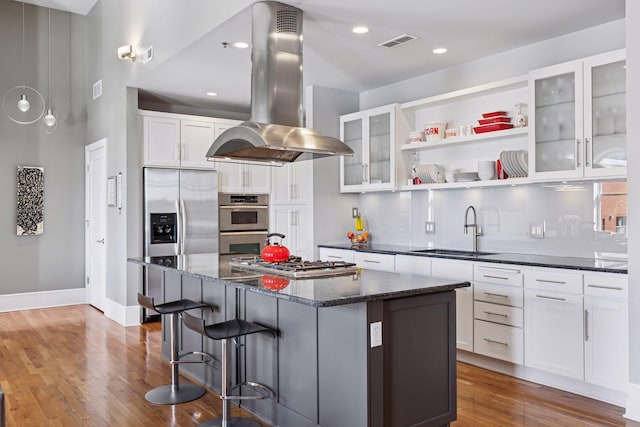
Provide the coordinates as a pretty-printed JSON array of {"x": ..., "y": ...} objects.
[{"x": 329, "y": 366}]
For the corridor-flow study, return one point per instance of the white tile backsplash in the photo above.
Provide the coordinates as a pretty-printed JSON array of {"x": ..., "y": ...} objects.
[{"x": 504, "y": 215}]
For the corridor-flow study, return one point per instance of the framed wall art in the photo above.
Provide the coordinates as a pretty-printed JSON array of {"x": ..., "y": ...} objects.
[{"x": 30, "y": 201}]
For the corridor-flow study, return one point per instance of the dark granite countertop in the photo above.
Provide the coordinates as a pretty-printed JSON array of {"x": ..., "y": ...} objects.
[
  {"x": 366, "y": 285},
  {"x": 597, "y": 263}
]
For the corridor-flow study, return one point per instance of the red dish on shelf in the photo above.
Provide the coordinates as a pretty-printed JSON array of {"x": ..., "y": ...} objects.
[
  {"x": 492, "y": 127},
  {"x": 496, "y": 119},
  {"x": 493, "y": 114}
]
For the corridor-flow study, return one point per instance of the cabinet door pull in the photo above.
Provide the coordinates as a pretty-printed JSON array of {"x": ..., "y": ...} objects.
[
  {"x": 557, "y": 282},
  {"x": 586, "y": 147},
  {"x": 494, "y": 277},
  {"x": 371, "y": 261},
  {"x": 490, "y": 313},
  {"x": 496, "y": 295},
  {"x": 334, "y": 256},
  {"x": 578, "y": 164},
  {"x": 613, "y": 288},
  {"x": 498, "y": 269},
  {"x": 586, "y": 325},
  {"x": 364, "y": 174},
  {"x": 506, "y": 344},
  {"x": 553, "y": 298}
]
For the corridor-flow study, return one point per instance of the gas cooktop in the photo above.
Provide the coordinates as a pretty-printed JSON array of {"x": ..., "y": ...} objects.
[{"x": 295, "y": 267}]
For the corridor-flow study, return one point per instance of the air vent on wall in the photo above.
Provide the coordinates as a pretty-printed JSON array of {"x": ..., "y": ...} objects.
[{"x": 397, "y": 41}]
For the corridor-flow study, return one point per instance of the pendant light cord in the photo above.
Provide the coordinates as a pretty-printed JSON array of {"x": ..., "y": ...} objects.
[
  {"x": 23, "y": 67},
  {"x": 49, "y": 55}
]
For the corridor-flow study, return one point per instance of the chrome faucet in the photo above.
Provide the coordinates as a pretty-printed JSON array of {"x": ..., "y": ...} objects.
[{"x": 476, "y": 228}]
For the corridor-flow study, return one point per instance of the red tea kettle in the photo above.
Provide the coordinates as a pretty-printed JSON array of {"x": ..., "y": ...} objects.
[{"x": 275, "y": 252}]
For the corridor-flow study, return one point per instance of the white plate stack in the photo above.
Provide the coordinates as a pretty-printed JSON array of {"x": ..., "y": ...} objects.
[
  {"x": 429, "y": 174},
  {"x": 515, "y": 163}
]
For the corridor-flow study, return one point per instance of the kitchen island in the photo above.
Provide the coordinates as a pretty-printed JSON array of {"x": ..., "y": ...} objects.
[{"x": 328, "y": 366}]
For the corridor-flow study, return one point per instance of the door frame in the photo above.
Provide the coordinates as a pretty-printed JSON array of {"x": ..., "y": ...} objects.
[{"x": 100, "y": 144}]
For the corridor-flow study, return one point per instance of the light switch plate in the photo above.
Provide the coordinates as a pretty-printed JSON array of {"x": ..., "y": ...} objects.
[
  {"x": 376, "y": 334},
  {"x": 354, "y": 212},
  {"x": 430, "y": 227}
]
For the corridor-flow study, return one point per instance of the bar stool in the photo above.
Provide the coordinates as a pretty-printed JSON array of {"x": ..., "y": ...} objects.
[
  {"x": 174, "y": 392},
  {"x": 225, "y": 332}
]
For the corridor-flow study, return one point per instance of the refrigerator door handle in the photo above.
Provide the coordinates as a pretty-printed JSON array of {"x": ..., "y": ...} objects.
[
  {"x": 180, "y": 226},
  {"x": 183, "y": 223}
]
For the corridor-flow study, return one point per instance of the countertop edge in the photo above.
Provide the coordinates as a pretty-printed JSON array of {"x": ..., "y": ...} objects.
[{"x": 477, "y": 258}]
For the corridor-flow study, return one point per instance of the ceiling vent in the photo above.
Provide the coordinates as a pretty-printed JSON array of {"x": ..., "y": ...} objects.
[{"x": 397, "y": 41}]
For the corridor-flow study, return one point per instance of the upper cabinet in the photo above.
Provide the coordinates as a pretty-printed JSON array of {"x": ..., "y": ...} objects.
[
  {"x": 371, "y": 134},
  {"x": 579, "y": 118},
  {"x": 292, "y": 183},
  {"x": 239, "y": 177},
  {"x": 174, "y": 140}
]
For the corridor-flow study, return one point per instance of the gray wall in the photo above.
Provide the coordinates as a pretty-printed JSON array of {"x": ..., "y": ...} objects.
[
  {"x": 55, "y": 259},
  {"x": 168, "y": 28}
]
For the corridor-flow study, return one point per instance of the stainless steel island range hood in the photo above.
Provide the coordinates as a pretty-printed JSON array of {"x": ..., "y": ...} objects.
[{"x": 275, "y": 134}]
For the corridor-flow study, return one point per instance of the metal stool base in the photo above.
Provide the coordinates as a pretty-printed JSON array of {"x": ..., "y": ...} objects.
[
  {"x": 170, "y": 395},
  {"x": 233, "y": 422}
]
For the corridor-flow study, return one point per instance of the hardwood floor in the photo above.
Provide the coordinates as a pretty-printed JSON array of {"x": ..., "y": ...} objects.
[{"x": 71, "y": 366}]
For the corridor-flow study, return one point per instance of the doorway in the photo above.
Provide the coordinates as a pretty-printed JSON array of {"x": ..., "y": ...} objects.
[{"x": 95, "y": 156}]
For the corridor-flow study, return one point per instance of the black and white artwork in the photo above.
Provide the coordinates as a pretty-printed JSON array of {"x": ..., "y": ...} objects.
[{"x": 30, "y": 203}]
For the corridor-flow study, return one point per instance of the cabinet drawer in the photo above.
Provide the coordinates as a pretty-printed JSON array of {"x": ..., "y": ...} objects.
[
  {"x": 499, "y": 341},
  {"x": 451, "y": 269},
  {"x": 499, "y": 275},
  {"x": 373, "y": 261},
  {"x": 553, "y": 280},
  {"x": 512, "y": 316},
  {"x": 330, "y": 254},
  {"x": 606, "y": 285},
  {"x": 413, "y": 264},
  {"x": 505, "y": 295}
]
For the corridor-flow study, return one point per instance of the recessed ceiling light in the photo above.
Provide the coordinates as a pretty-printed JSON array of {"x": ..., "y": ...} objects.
[
  {"x": 360, "y": 30},
  {"x": 241, "y": 45},
  {"x": 439, "y": 50},
  {"x": 212, "y": 93}
]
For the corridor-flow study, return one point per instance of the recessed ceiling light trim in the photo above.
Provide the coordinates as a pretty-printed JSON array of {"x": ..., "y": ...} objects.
[
  {"x": 440, "y": 50},
  {"x": 212, "y": 93},
  {"x": 399, "y": 40},
  {"x": 241, "y": 45},
  {"x": 360, "y": 29}
]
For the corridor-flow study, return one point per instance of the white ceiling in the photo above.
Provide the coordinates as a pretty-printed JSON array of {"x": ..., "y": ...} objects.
[
  {"x": 335, "y": 57},
  {"x": 81, "y": 7}
]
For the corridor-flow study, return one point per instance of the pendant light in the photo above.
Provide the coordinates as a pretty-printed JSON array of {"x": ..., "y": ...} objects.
[
  {"x": 50, "y": 121},
  {"x": 23, "y": 104}
]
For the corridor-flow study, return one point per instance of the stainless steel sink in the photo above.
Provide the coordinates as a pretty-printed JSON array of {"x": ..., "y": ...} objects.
[{"x": 451, "y": 252}]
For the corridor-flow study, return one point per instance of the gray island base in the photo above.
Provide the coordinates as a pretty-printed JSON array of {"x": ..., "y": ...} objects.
[{"x": 370, "y": 349}]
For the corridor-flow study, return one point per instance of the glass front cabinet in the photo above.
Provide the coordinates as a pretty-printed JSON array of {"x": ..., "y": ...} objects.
[
  {"x": 579, "y": 119},
  {"x": 371, "y": 134}
]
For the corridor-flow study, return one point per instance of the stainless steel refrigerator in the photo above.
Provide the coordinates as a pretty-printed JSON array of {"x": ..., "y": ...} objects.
[{"x": 180, "y": 218}]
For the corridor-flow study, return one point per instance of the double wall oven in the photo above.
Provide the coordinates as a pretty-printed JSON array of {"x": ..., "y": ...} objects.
[{"x": 244, "y": 221}]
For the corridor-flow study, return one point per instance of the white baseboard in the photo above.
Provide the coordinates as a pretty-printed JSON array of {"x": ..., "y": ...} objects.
[
  {"x": 123, "y": 314},
  {"x": 633, "y": 403},
  {"x": 31, "y": 300}
]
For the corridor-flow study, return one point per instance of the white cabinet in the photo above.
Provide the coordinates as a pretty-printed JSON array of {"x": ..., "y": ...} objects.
[
  {"x": 373, "y": 261},
  {"x": 238, "y": 177},
  {"x": 579, "y": 119},
  {"x": 294, "y": 221},
  {"x": 498, "y": 312},
  {"x": 331, "y": 254},
  {"x": 292, "y": 183},
  {"x": 554, "y": 323},
  {"x": 174, "y": 140},
  {"x": 413, "y": 264},
  {"x": 371, "y": 134},
  {"x": 606, "y": 345},
  {"x": 459, "y": 270}
]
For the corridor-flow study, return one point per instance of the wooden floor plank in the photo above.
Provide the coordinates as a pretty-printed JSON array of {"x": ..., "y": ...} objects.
[{"x": 71, "y": 366}]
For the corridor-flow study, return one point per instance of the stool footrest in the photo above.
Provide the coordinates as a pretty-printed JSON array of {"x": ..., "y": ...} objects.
[
  {"x": 263, "y": 391},
  {"x": 206, "y": 357}
]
